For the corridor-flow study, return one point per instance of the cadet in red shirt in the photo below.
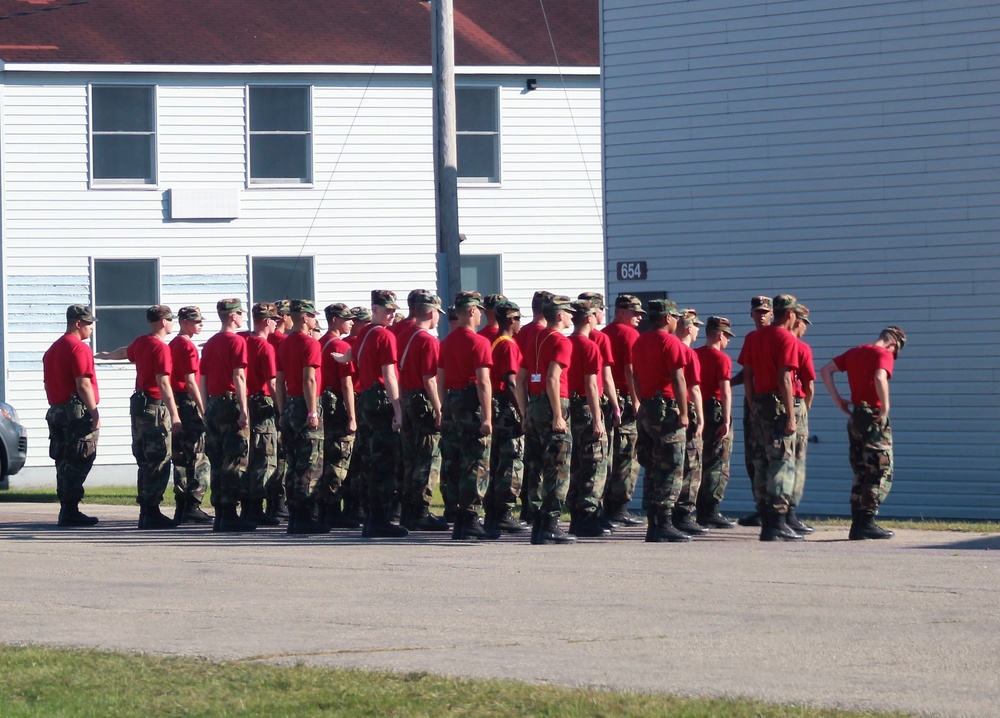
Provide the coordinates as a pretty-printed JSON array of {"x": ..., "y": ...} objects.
[
  {"x": 658, "y": 359},
  {"x": 717, "y": 403},
  {"x": 227, "y": 432},
  {"x": 769, "y": 366},
  {"x": 73, "y": 418},
  {"x": 869, "y": 368},
  {"x": 274, "y": 486},
  {"x": 153, "y": 412},
  {"x": 300, "y": 375},
  {"x": 762, "y": 314},
  {"x": 340, "y": 422},
  {"x": 356, "y": 496},
  {"x": 588, "y": 468},
  {"x": 804, "y": 389},
  {"x": 624, "y": 464},
  {"x": 687, "y": 332},
  {"x": 544, "y": 377},
  {"x": 192, "y": 470},
  {"x": 467, "y": 423},
  {"x": 419, "y": 352},
  {"x": 262, "y": 461},
  {"x": 492, "y": 329}
]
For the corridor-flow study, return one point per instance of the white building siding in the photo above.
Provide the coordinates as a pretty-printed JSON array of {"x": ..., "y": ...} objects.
[
  {"x": 847, "y": 155},
  {"x": 367, "y": 220}
]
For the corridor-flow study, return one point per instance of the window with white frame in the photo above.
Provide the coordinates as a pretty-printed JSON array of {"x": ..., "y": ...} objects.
[
  {"x": 280, "y": 125},
  {"x": 481, "y": 273},
  {"x": 123, "y": 290},
  {"x": 478, "y": 118},
  {"x": 273, "y": 278},
  {"x": 123, "y": 134}
]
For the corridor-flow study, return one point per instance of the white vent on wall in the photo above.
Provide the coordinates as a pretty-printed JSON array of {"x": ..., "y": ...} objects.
[{"x": 202, "y": 203}]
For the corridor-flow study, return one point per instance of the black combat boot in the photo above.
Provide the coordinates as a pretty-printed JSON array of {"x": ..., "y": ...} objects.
[
  {"x": 682, "y": 521},
  {"x": 795, "y": 525},
  {"x": 193, "y": 513},
  {"x": 180, "y": 509},
  {"x": 663, "y": 531},
  {"x": 709, "y": 516},
  {"x": 536, "y": 529},
  {"x": 150, "y": 519},
  {"x": 230, "y": 523},
  {"x": 618, "y": 514},
  {"x": 587, "y": 525},
  {"x": 774, "y": 527},
  {"x": 651, "y": 522},
  {"x": 468, "y": 528},
  {"x": 276, "y": 506},
  {"x": 864, "y": 527},
  {"x": 302, "y": 523},
  {"x": 754, "y": 519},
  {"x": 550, "y": 531},
  {"x": 254, "y": 511},
  {"x": 504, "y": 521},
  {"x": 420, "y": 518},
  {"x": 379, "y": 526},
  {"x": 337, "y": 518},
  {"x": 70, "y": 516}
]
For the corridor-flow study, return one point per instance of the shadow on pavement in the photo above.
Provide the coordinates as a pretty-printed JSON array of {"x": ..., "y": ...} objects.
[{"x": 980, "y": 543}]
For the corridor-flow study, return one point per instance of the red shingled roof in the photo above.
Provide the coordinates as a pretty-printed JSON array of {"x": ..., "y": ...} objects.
[{"x": 294, "y": 32}]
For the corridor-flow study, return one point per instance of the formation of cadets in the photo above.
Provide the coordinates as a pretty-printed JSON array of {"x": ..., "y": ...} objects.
[{"x": 515, "y": 424}]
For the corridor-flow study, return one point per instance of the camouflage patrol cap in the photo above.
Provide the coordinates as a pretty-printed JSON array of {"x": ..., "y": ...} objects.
[
  {"x": 283, "y": 306},
  {"x": 189, "y": 314},
  {"x": 802, "y": 312},
  {"x": 157, "y": 312},
  {"x": 898, "y": 334},
  {"x": 229, "y": 306},
  {"x": 384, "y": 298},
  {"x": 720, "y": 325},
  {"x": 663, "y": 308},
  {"x": 627, "y": 301},
  {"x": 426, "y": 299},
  {"x": 691, "y": 318},
  {"x": 508, "y": 310},
  {"x": 784, "y": 303},
  {"x": 303, "y": 306},
  {"x": 560, "y": 303},
  {"x": 491, "y": 301},
  {"x": 413, "y": 294},
  {"x": 464, "y": 300},
  {"x": 338, "y": 311},
  {"x": 595, "y": 298},
  {"x": 540, "y": 299},
  {"x": 264, "y": 310},
  {"x": 760, "y": 302},
  {"x": 361, "y": 314},
  {"x": 581, "y": 308},
  {"x": 80, "y": 312}
]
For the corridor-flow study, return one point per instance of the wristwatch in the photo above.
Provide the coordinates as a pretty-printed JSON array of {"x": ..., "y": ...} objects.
[{"x": 312, "y": 415}]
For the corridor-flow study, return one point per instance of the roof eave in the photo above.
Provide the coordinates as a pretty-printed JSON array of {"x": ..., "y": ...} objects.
[{"x": 93, "y": 68}]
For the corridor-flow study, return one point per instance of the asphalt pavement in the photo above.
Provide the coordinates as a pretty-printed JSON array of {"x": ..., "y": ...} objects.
[{"x": 907, "y": 624}]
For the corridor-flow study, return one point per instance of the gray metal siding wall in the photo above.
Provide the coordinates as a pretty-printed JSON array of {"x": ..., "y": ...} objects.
[{"x": 849, "y": 155}]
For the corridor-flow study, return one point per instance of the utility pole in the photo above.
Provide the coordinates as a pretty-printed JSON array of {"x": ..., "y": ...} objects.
[{"x": 445, "y": 151}]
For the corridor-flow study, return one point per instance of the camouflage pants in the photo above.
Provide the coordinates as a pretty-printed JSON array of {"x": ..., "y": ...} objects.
[
  {"x": 465, "y": 452},
  {"x": 262, "y": 459},
  {"x": 151, "y": 449},
  {"x": 72, "y": 445},
  {"x": 274, "y": 485},
  {"x": 801, "y": 445},
  {"x": 357, "y": 469},
  {"x": 623, "y": 470},
  {"x": 589, "y": 460},
  {"x": 506, "y": 456},
  {"x": 421, "y": 450},
  {"x": 550, "y": 450},
  {"x": 338, "y": 445},
  {"x": 380, "y": 476},
  {"x": 303, "y": 453},
  {"x": 715, "y": 456},
  {"x": 191, "y": 468},
  {"x": 687, "y": 499},
  {"x": 749, "y": 446},
  {"x": 660, "y": 422},
  {"x": 774, "y": 454},
  {"x": 871, "y": 459},
  {"x": 228, "y": 447}
]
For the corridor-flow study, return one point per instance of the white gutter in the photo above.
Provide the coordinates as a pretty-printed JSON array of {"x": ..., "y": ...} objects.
[{"x": 91, "y": 68}]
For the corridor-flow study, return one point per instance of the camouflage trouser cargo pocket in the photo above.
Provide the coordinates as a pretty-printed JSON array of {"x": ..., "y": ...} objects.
[{"x": 871, "y": 458}]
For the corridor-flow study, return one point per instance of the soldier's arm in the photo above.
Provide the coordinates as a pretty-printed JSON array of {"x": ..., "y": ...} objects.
[
  {"x": 431, "y": 384},
  {"x": 809, "y": 388},
  {"x": 633, "y": 387},
  {"x": 727, "y": 409},
  {"x": 392, "y": 390},
  {"x": 882, "y": 389},
  {"x": 552, "y": 380},
  {"x": 485, "y": 391},
  {"x": 827, "y": 373},
  {"x": 114, "y": 355},
  {"x": 85, "y": 390},
  {"x": 309, "y": 395},
  {"x": 240, "y": 386},
  {"x": 611, "y": 393},
  {"x": 347, "y": 391},
  {"x": 681, "y": 394},
  {"x": 747, "y": 383},
  {"x": 699, "y": 412},
  {"x": 594, "y": 403},
  {"x": 163, "y": 381},
  {"x": 279, "y": 393},
  {"x": 521, "y": 392},
  {"x": 195, "y": 391},
  {"x": 786, "y": 386}
]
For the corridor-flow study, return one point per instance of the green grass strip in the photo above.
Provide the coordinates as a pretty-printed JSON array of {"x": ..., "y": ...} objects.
[{"x": 54, "y": 682}]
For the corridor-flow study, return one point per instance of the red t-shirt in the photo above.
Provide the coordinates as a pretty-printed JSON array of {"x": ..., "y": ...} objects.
[
  {"x": 692, "y": 369},
  {"x": 490, "y": 333},
  {"x": 547, "y": 346},
  {"x": 526, "y": 335},
  {"x": 462, "y": 352},
  {"x": 223, "y": 354},
  {"x": 419, "y": 351},
  {"x": 603, "y": 342},
  {"x": 401, "y": 326},
  {"x": 352, "y": 341},
  {"x": 67, "y": 359},
  {"x": 586, "y": 360},
  {"x": 806, "y": 371},
  {"x": 716, "y": 367},
  {"x": 861, "y": 363},
  {"x": 772, "y": 349},
  {"x": 333, "y": 371},
  {"x": 655, "y": 356},
  {"x": 622, "y": 337},
  {"x": 261, "y": 365},
  {"x": 184, "y": 355},
  {"x": 506, "y": 361},
  {"x": 375, "y": 347},
  {"x": 298, "y": 351},
  {"x": 275, "y": 339},
  {"x": 151, "y": 357}
]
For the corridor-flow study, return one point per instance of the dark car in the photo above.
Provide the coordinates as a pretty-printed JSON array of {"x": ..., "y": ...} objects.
[{"x": 13, "y": 444}]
